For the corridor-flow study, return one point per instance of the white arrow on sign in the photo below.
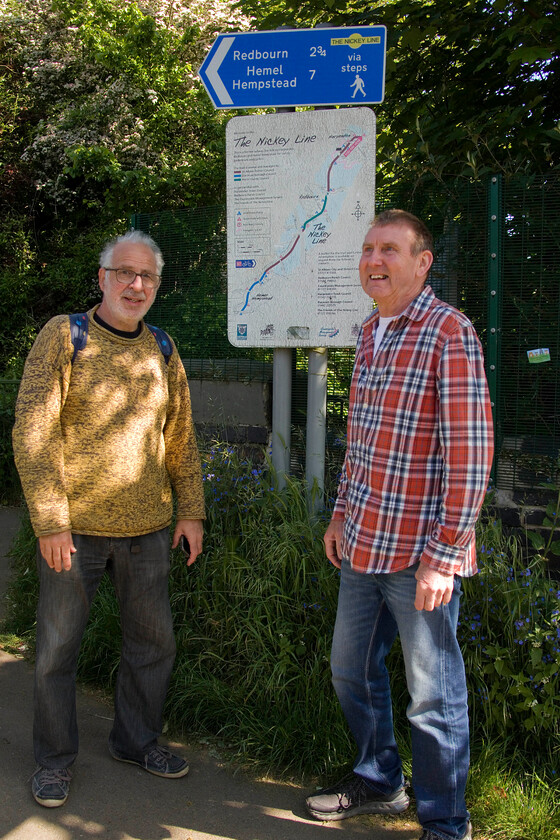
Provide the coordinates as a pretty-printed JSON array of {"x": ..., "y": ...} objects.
[{"x": 212, "y": 72}]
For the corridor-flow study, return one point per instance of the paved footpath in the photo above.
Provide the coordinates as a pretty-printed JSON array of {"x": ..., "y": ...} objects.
[{"x": 109, "y": 799}]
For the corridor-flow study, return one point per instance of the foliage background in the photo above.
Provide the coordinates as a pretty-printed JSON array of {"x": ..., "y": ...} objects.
[
  {"x": 471, "y": 87},
  {"x": 102, "y": 115}
]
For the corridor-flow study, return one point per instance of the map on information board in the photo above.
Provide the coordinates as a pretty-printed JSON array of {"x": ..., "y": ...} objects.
[{"x": 300, "y": 190}]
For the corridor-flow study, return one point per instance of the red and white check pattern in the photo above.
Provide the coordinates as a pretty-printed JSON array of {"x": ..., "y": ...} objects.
[{"x": 420, "y": 443}]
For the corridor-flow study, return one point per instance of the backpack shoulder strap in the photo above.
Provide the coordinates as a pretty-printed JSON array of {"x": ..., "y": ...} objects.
[
  {"x": 79, "y": 323},
  {"x": 163, "y": 341}
]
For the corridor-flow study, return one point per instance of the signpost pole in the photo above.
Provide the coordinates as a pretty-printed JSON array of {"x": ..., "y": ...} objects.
[
  {"x": 282, "y": 398},
  {"x": 316, "y": 426},
  {"x": 281, "y": 413}
]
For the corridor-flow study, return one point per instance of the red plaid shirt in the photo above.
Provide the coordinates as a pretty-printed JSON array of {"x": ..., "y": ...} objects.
[{"x": 420, "y": 443}]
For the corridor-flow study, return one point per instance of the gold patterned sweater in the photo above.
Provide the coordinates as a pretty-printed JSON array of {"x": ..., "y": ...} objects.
[{"x": 100, "y": 443}]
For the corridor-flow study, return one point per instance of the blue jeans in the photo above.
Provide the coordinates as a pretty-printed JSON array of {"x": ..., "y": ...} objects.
[
  {"x": 139, "y": 569},
  {"x": 372, "y": 609}
]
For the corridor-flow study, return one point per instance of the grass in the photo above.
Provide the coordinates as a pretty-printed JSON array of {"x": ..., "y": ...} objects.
[
  {"x": 254, "y": 619},
  {"x": 508, "y": 802}
]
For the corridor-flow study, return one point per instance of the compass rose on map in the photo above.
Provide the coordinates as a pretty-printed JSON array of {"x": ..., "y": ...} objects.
[{"x": 358, "y": 212}]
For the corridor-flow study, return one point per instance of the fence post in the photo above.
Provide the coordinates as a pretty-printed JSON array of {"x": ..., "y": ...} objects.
[{"x": 495, "y": 291}]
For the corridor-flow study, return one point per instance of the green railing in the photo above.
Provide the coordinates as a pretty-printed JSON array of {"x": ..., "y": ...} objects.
[{"x": 497, "y": 259}]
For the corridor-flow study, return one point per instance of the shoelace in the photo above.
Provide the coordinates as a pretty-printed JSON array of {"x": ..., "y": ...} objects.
[
  {"x": 354, "y": 792},
  {"x": 159, "y": 756},
  {"x": 49, "y": 777}
]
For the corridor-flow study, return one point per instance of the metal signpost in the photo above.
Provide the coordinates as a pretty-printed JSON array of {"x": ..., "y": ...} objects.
[
  {"x": 300, "y": 190},
  {"x": 330, "y": 66},
  {"x": 300, "y": 197}
]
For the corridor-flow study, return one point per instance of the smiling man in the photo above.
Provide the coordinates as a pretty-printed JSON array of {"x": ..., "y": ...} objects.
[
  {"x": 103, "y": 436},
  {"x": 418, "y": 458},
  {"x": 125, "y": 303}
]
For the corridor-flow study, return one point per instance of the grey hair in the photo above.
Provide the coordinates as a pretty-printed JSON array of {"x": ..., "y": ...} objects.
[
  {"x": 423, "y": 240},
  {"x": 134, "y": 237}
]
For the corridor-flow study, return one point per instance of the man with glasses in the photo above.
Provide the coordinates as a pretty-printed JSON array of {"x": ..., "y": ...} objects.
[{"x": 101, "y": 438}]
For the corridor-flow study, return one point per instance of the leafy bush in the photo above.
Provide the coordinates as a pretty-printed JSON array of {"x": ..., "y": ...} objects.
[
  {"x": 510, "y": 635},
  {"x": 24, "y": 587},
  {"x": 508, "y": 802},
  {"x": 254, "y": 622}
]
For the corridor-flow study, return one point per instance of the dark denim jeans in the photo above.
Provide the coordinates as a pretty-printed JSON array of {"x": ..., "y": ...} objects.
[
  {"x": 139, "y": 569},
  {"x": 372, "y": 609}
]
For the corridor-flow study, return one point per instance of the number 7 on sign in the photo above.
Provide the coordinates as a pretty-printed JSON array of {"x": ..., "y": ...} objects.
[{"x": 312, "y": 73}]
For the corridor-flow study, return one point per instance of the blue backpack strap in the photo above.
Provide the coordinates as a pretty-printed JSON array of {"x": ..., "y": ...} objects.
[
  {"x": 163, "y": 341},
  {"x": 79, "y": 323}
]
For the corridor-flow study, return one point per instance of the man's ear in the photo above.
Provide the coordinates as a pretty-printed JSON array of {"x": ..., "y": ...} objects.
[
  {"x": 101, "y": 276},
  {"x": 425, "y": 261}
]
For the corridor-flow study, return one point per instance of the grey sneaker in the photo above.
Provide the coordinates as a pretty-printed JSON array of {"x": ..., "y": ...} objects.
[
  {"x": 427, "y": 834},
  {"x": 158, "y": 761},
  {"x": 51, "y": 787},
  {"x": 352, "y": 796}
]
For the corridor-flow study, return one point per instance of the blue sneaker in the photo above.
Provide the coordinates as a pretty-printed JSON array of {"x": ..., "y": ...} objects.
[
  {"x": 158, "y": 761},
  {"x": 51, "y": 787}
]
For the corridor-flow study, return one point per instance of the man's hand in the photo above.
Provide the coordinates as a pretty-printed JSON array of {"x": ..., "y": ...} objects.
[
  {"x": 193, "y": 530},
  {"x": 333, "y": 541},
  {"x": 57, "y": 550},
  {"x": 433, "y": 588}
]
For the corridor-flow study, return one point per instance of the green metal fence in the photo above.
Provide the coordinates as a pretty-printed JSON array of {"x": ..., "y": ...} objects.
[
  {"x": 497, "y": 259},
  {"x": 527, "y": 283}
]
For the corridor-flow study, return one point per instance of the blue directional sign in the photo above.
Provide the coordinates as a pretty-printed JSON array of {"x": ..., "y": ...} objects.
[{"x": 289, "y": 67}]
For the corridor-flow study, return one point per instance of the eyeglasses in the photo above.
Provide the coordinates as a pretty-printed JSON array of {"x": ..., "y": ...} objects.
[{"x": 126, "y": 276}]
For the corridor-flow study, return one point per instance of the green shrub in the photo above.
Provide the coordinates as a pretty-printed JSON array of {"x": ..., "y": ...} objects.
[
  {"x": 22, "y": 592},
  {"x": 510, "y": 635},
  {"x": 509, "y": 802},
  {"x": 254, "y": 621}
]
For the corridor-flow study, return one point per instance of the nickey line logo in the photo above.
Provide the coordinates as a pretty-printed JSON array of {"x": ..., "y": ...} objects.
[{"x": 355, "y": 41}]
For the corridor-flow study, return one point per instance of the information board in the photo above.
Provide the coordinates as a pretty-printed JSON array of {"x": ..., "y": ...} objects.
[{"x": 300, "y": 199}]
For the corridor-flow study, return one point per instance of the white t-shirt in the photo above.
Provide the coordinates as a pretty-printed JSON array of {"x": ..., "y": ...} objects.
[{"x": 380, "y": 331}]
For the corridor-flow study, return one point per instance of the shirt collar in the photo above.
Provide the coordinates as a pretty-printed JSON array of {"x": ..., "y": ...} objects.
[{"x": 415, "y": 311}]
